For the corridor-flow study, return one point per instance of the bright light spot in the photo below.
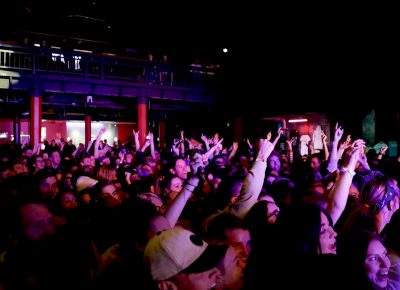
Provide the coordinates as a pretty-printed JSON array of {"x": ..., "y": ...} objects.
[
  {"x": 298, "y": 120},
  {"x": 43, "y": 133},
  {"x": 225, "y": 50}
]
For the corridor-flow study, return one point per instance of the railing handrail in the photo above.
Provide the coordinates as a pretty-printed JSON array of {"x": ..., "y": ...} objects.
[{"x": 91, "y": 65}]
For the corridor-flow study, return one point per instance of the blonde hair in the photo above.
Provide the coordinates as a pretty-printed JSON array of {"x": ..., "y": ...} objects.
[{"x": 106, "y": 173}]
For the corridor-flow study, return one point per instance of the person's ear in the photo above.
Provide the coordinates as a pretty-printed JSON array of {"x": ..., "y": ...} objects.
[
  {"x": 214, "y": 275},
  {"x": 167, "y": 285}
]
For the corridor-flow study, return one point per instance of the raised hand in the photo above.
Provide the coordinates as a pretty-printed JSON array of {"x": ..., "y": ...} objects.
[
  {"x": 383, "y": 149},
  {"x": 102, "y": 131},
  {"x": 151, "y": 137},
  {"x": 280, "y": 131},
  {"x": 338, "y": 133},
  {"x": 346, "y": 144},
  {"x": 353, "y": 154},
  {"x": 216, "y": 137},
  {"x": 265, "y": 149},
  {"x": 121, "y": 156},
  {"x": 289, "y": 143},
  {"x": 323, "y": 137},
  {"x": 235, "y": 146},
  {"x": 248, "y": 143}
]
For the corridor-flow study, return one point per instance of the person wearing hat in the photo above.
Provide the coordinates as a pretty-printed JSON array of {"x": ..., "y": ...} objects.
[
  {"x": 83, "y": 182},
  {"x": 180, "y": 259}
]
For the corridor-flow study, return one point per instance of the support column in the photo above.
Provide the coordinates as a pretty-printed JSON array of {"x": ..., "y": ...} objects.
[
  {"x": 238, "y": 127},
  {"x": 17, "y": 130},
  {"x": 142, "y": 119},
  {"x": 35, "y": 119},
  {"x": 88, "y": 128},
  {"x": 161, "y": 134}
]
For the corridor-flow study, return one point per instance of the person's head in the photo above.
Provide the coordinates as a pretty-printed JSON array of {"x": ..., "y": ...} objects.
[
  {"x": 106, "y": 173},
  {"x": 55, "y": 158},
  {"x": 261, "y": 218},
  {"x": 244, "y": 162},
  {"x": 48, "y": 187},
  {"x": 180, "y": 168},
  {"x": 154, "y": 199},
  {"x": 382, "y": 197},
  {"x": 273, "y": 162},
  {"x": 68, "y": 200},
  {"x": 231, "y": 271},
  {"x": 306, "y": 230},
  {"x": 365, "y": 258},
  {"x": 111, "y": 190},
  {"x": 380, "y": 193},
  {"x": 27, "y": 151},
  {"x": 181, "y": 260},
  {"x": 38, "y": 162},
  {"x": 227, "y": 228},
  {"x": 171, "y": 185},
  {"x": 315, "y": 162},
  {"x": 268, "y": 207},
  {"x": 219, "y": 161},
  {"x": 20, "y": 166},
  {"x": 36, "y": 221},
  {"x": 88, "y": 161},
  {"x": 128, "y": 158}
]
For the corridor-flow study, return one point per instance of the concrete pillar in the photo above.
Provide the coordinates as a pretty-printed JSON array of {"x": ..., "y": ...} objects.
[
  {"x": 142, "y": 119},
  {"x": 35, "y": 119},
  {"x": 88, "y": 128}
]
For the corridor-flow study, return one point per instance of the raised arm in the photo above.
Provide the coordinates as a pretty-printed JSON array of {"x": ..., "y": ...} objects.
[
  {"x": 152, "y": 148},
  {"x": 254, "y": 180},
  {"x": 343, "y": 146},
  {"x": 205, "y": 140},
  {"x": 333, "y": 156},
  {"x": 382, "y": 152},
  {"x": 210, "y": 152},
  {"x": 137, "y": 142},
  {"x": 89, "y": 145},
  {"x": 338, "y": 196},
  {"x": 175, "y": 209},
  {"x": 235, "y": 147},
  {"x": 326, "y": 151},
  {"x": 97, "y": 142},
  {"x": 289, "y": 143},
  {"x": 182, "y": 145}
]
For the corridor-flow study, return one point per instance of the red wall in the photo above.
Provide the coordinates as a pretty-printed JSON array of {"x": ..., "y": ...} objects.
[
  {"x": 125, "y": 133},
  {"x": 55, "y": 130},
  {"x": 7, "y": 126}
]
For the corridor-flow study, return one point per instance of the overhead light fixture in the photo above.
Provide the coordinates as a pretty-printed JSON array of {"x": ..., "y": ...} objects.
[{"x": 298, "y": 120}]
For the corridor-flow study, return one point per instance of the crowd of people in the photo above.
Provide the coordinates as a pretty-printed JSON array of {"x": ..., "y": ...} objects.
[{"x": 200, "y": 215}]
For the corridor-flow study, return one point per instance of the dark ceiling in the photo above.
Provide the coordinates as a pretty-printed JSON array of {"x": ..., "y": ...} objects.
[
  {"x": 182, "y": 32},
  {"x": 329, "y": 56}
]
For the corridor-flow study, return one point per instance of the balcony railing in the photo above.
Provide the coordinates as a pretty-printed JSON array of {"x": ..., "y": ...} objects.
[{"x": 36, "y": 60}]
